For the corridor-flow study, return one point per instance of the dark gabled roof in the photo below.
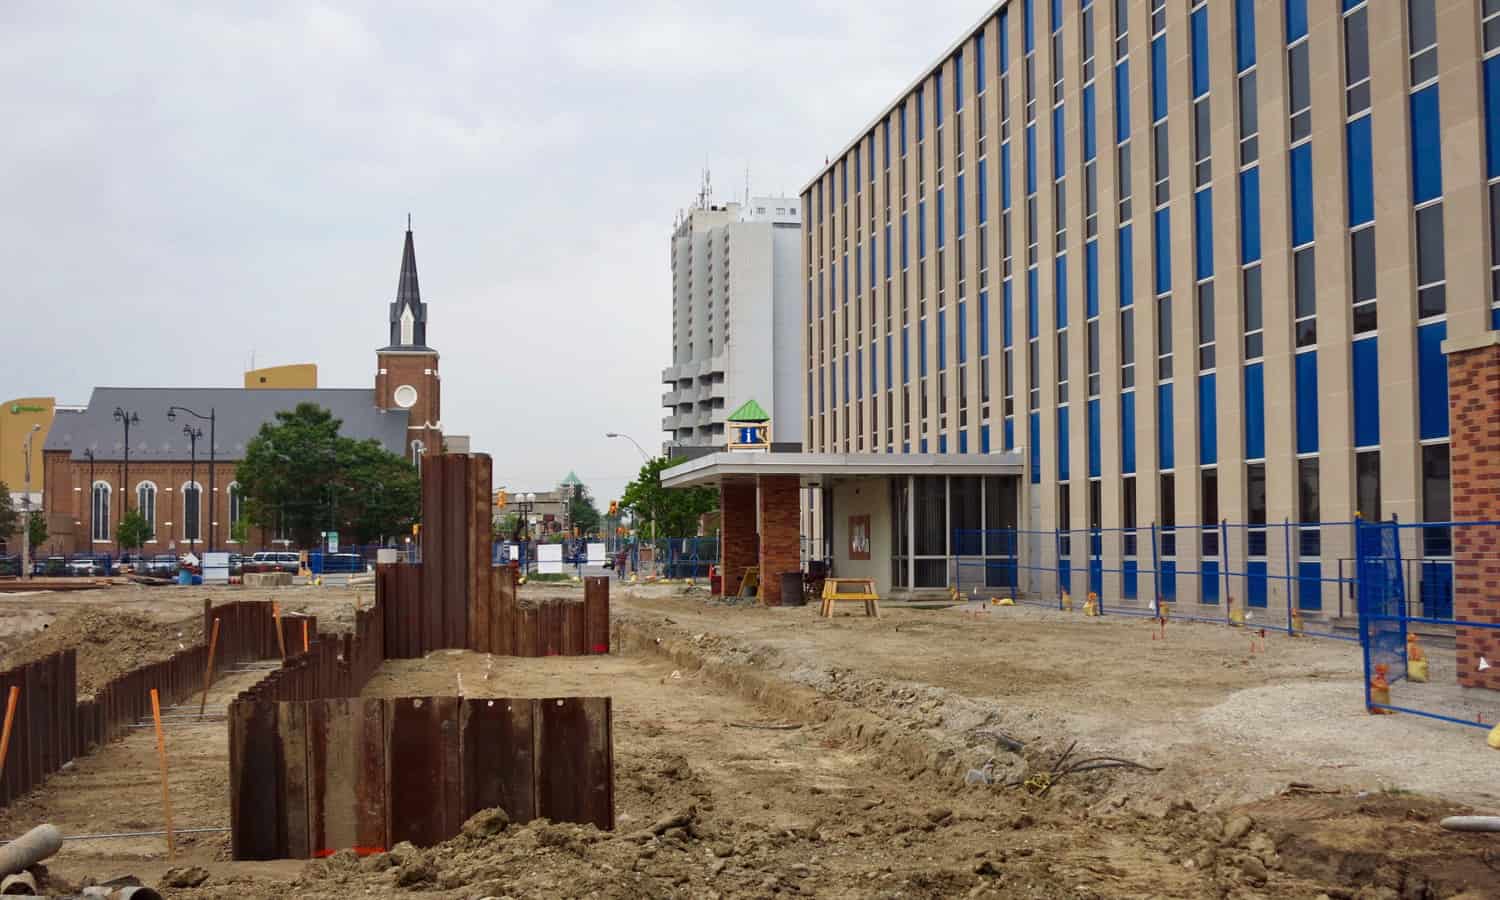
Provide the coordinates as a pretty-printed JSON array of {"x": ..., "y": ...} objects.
[
  {"x": 239, "y": 414},
  {"x": 409, "y": 297}
]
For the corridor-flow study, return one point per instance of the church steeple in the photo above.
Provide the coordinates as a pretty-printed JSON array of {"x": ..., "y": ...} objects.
[{"x": 408, "y": 313}]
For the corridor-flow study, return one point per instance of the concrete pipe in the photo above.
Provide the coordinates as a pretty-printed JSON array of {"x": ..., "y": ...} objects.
[
  {"x": 137, "y": 893},
  {"x": 22, "y": 883},
  {"x": 30, "y": 848},
  {"x": 1472, "y": 823}
]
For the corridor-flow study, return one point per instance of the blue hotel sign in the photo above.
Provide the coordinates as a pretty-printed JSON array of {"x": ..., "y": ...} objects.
[{"x": 749, "y": 435}]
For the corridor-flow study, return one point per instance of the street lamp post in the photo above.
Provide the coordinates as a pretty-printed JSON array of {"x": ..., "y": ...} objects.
[
  {"x": 127, "y": 419},
  {"x": 88, "y": 454},
  {"x": 192, "y": 435},
  {"x": 213, "y": 488},
  {"x": 26, "y": 509},
  {"x": 646, "y": 458}
]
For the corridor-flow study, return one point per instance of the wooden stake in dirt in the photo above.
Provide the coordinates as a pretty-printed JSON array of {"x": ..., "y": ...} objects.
[
  {"x": 208, "y": 673},
  {"x": 10, "y": 718},
  {"x": 161, "y": 752},
  {"x": 305, "y": 645},
  {"x": 280, "y": 638}
]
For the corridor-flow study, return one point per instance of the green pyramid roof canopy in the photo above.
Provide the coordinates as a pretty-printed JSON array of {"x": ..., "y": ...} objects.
[
  {"x": 572, "y": 478},
  {"x": 750, "y": 412}
]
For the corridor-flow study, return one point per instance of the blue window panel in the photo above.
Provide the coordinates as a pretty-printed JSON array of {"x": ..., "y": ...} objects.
[
  {"x": 963, "y": 442},
  {"x": 822, "y": 396},
  {"x": 1056, "y": 14},
  {"x": 922, "y": 229},
  {"x": 1090, "y": 143},
  {"x": 1130, "y": 579},
  {"x": 1096, "y": 576},
  {"x": 1255, "y": 411},
  {"x": 1163, "y": 239},
  {"x": 1006, "y": 313},
  {"x": 859, "y": 372},
  {"x": 889, "y": 362},
  {"x": 1009, "y": 433},
  {"x": 905, "y": 354},
  {"x": 979, "y": 62},
  {"x": 984, "y": 323},
  {"x": 874, "y": 366},
  {"x": 873, "y": 253},
  {"x": 1028, "y": 26},
  {"x": 982, "y": 193},
  {"x": 942, "y": 443},
  {"x": 1125, "y": 264},
  {"x": 1208, "y": 582},
  {"x": 906, "y": 446},
  {"x": 1034, "y": 448},
  {"x": 1256, "y": 582},
  {"x": 922, "y": 348},
  {"x": 1495, "y": 318},
  {"x": 1437, "y": 590},
  {"x": 857, "y": 268},
  {"x": 1005, "y": 175},
  {"x": 1199, "y": 25},
  {"x": 921, "y": 119},
  {"x": 1159, "y": 79},
  {"x": 1432, "y": 376},
  {"x": 1059, "y": 146},
  {"x": 1361, "y": 172},
  {"x": 905, "y": 261},
  {"x": 923, "y": 445},
  {"x": 1244, "y": 34},
  {"x": 963, "y": 333},
  {"x": 1309, "y": 585},
  {"x": 1250, "y": 215},
  {"x": 937, "y": 107},
  {"x": 1426, "y": 146},
  {"x": 958, "y": 208},
  {"x": 1203, "y": 243},
  {"x": 1296, "y": 19},
  {"x": 1003, "y": 33},
  {"x": 958, "y": 80},
  {"x": 984, "y": 439},
  {"x": 1033, "y": 290},
  {"x": 888, "y": 251},
  {"x": 846, "y": 378},
  {"x": 885, "y": 140},
  {"x": 1302, "y": 195},
  {"x": 1127, "y": 433},
  {"x": 1167, "y": 581},
  {"x": 1060, "y": 287},
  {"x": 1095, "y": 462},
  {"x": 1164, "y": 425},
  {"x": 1062, "y": 443},
  {"x": 941, "y": 221},
  {"x": 1208, "y": 420},
  {"x": 1065, "y": 575},
  {"x": 1091, "y": 279},
  {"x": 1122, "y": 101},
  {"x": 1307, "y": 401},
  {"x": 1492, "y": 116},
  {"x": 903, "y": 128},
  {"x": 942, "y": 335},
  {"x": 1366, "y": 387},
  {"x": 1030, "y": 160}
]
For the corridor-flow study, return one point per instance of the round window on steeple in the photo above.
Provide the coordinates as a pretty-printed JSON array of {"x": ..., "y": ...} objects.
[{"x": 406, "y": 396}]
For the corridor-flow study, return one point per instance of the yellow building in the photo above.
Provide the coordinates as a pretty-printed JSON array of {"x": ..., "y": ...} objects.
[
  {"x": 299, "y": 377},
  {"x": 16, "y": 418}
]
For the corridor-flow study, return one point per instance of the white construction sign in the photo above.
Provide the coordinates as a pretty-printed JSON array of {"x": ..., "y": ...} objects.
[
  {"x": 216, "y": 568},
  {"x": 549, "y": 559},
  {"x": 596, "y": 554}
]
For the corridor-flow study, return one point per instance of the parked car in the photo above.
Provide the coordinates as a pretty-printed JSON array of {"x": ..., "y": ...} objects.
[
  {"x": 163, "y": 565},
  {"x": 52, "y": 566},
  {"x": 237, "y": 563},
  {"x": 273, "y": 561},
  {"x": 87, "y": 565}
]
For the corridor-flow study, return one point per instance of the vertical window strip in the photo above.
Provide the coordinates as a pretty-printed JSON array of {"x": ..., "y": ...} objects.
[{"x": 1490, "y": 29}]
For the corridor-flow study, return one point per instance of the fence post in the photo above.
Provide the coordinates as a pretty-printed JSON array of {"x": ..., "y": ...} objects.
[
  {"x": 1359, "y": 612},
  {"x": 1057, "y": 563},
  {"x": 1286, "y": 525},
  {"x": 1155, "y": 572},
  {"x": 1224, "y": 555}
]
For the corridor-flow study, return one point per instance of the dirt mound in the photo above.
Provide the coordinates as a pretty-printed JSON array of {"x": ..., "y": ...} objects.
[{"x": 109, "y": 644}]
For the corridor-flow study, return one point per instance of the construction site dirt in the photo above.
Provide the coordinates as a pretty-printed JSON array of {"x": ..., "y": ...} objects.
[{"x": 922, "y": 754}]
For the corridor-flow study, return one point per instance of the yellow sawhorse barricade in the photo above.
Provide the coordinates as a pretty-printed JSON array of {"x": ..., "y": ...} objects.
[{"x": 845, "y": 590}]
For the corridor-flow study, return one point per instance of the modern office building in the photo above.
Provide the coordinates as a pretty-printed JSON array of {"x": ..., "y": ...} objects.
[
  {"x": 736, "y": 315},
  {"x": 1197, "y": 260}
]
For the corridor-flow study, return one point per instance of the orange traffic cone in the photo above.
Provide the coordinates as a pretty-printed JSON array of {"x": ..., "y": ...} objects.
[{"x": 1380, "y": 691}]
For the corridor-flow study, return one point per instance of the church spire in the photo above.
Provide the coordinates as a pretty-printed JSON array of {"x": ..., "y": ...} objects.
[{"x": 408, "y": 313}]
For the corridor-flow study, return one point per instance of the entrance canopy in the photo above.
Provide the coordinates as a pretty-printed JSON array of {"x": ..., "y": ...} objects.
[
  {"x": 817, "y": 470},
  {"x": 880, "y": 516}
]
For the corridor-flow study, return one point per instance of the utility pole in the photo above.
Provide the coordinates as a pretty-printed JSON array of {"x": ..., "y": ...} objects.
[
  {"x": 26, "y": 509},
  {"x": 192, "y": 435},
  {"x": 126, "y": 419},
  {"x": 213, "y": 488}
]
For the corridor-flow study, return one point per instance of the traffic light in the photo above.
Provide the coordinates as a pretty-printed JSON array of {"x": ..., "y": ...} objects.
[
  {"x": 501, "y": 498},
  {"x": 614, "y": 507}
]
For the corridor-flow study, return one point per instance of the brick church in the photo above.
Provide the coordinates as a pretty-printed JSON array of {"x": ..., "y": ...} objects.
[{"x": 140, "y": 448}]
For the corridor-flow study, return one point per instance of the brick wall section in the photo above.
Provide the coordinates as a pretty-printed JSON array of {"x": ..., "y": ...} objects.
[
  {"x": 739, "y": 547},
  {"x": 1474, "y": 414},
  {"x": 780, "y": 533}
]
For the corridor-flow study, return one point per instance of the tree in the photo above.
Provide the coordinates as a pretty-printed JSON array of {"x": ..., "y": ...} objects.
[
  {"x": 38, "y": 530},
  {"x": 299, "y": 471},
  {"x": 133, "y": 531},
  {"x": 582, "y": 514},
  {"x": 239, "y": 530},
  {"x": 10, "y": 517},
  {"x": 676, "y": 511}
]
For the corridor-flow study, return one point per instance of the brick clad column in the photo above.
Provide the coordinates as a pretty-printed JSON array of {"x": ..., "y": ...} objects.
[
  {"x": 1474, "y": 419},
  {"x": 780, "y": 533},
  {"x": 738, "y": 546}
]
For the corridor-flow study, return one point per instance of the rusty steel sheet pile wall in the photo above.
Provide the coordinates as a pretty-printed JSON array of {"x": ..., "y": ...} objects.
[
  {"x": 313, "y": 777},
  {"x": 53, "y": 726}
]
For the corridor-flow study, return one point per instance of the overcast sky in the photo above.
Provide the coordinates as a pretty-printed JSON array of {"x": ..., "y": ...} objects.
[{"x": 184, "y": 187}]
